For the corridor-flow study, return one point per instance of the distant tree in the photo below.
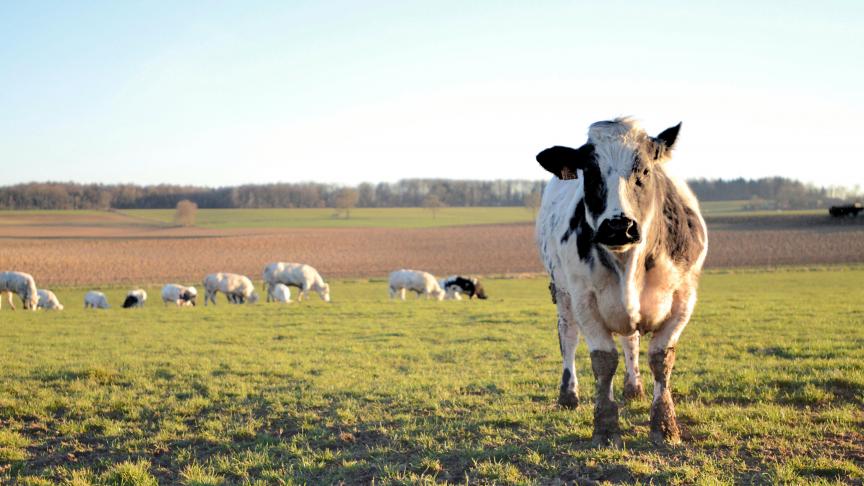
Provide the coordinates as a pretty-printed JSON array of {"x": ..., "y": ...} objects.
[
  {"x": 532, "y": 201},
  {"x": 346, "y": 199},
  {"x": 186, "y": 212},
  {"x": 433, "y": 203}
]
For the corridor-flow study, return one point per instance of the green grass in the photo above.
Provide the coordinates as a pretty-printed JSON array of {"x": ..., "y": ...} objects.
[
  {"x": 360, "y": 218},
  {"x": 769, "y": 385}
]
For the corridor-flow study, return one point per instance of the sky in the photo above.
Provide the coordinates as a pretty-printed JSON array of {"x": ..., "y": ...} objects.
[{"x": 223, "y": 93}]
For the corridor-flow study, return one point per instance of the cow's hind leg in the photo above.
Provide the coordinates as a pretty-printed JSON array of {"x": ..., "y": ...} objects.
[
  {"x": 661, "y": 355},
  {"x": 633, "y": 388},
  {"x": 568, "y": 339}
]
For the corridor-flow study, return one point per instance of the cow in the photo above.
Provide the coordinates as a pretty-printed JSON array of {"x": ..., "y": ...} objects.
[
  {"x": 623, "y": 242},
  {"x": 237, "y": 288},
  {"x": 455, "y": 285}
]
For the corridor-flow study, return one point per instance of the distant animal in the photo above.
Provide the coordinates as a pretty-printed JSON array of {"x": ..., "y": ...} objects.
[
  {"x": 95, "y": 300},
  {"x": 179, "y": 295},
  {"x": 21, "y": 284},
  {"x": 623, "y": 242},
  {"x": 423, "y": 283},
  {"x": 847, "y": 210},
  {"x": 48, "y": 301},
  {"x": 299, "y": 275},
  {"x": 237, "y": 288},
  {"x": 135, "y": 298},
  {"x": 281, "y": 293},
  {"x": 456, "y": 285}
]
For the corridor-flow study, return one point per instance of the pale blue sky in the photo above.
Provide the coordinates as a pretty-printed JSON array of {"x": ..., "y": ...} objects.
[{"x": 223, "y": 93}]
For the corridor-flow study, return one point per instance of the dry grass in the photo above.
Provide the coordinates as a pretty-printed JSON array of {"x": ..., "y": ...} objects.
[{"x": 103, "y": 248}]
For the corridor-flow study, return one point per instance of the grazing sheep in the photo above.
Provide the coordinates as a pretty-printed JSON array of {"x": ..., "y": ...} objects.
[
  {"x": 421, "y": 282},
  {"x": 95, "y": 300},
  {"x": 281, "y": 293},
  {"x": 179, "y": 295},
  {"x": 135, "y": 298},
  {"x": 238, "y": 288},
  {"x": 48, "y": 301},
  {"x": 297, "y": 275},
  {"x": 456, "y": 285},
  {"x": 23, "y": 285}
]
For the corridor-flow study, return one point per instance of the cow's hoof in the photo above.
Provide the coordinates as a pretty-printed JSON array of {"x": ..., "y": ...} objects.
[
  {"x": 568, "y": 400},
  {"x": 634, "y": 392},
  {"x": 603, "y": 440}
]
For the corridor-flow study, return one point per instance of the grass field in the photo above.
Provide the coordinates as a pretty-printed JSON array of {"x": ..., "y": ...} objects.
[{"x": 769, "y": 385}]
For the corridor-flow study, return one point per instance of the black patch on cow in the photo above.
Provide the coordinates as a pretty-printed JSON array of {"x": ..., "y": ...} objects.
[
  {"x": 595, "y": 189},
  {"x": 606, "y": 259},
  {"x": 584, "y": 233},
  {"x": 684, "y": 236},
  {"x": 130, "y": 301},
  {"x": 554, "y": 298},
  {"x": 565, "y": 380}
]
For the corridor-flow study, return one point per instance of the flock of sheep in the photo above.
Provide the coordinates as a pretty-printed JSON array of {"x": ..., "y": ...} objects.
[{"x": 238, "y": 289}]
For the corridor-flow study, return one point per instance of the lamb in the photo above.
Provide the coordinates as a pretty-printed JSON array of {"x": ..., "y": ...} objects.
[
  {"x": 423, "y": 283},
  {"x": 179, "y": 295},
  {"x": 238, "y": 288},
  {"x": 95, "y": 300},
  {"x": 280, "y": 293},
  {"x": 48, "y": 301},
  {"x": 135, "y": 298},
  {"x": 23, "y": 285},
  {"x": 299, "y": 275}
]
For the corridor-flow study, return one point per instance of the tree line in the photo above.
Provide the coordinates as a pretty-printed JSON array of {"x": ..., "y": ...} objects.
[{"x": 765, "y": 193}]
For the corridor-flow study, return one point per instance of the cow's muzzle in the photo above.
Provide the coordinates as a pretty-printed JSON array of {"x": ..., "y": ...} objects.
[{"x": 618, "y": 231}]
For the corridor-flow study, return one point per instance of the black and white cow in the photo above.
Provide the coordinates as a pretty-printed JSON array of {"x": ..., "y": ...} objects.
[
  {"x": 623, "y": 242},
  {"x": 455, "y": 285}
]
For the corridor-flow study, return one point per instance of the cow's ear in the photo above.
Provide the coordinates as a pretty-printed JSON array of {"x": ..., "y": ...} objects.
[
  {"x": 564, "y": 161},
  {"x": 667, "y": 137}
]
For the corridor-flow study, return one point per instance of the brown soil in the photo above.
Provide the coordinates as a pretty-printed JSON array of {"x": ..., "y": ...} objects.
[{"x": 83, "y": 252}]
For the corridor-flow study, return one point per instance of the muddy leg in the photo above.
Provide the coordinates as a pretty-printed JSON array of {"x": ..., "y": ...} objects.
[
  {"x": 606, "y": 431},
  {"x": 633, "y": 388},
  {"x": 664, "y": 427}
]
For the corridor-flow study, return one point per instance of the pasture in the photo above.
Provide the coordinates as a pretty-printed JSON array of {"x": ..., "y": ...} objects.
[{"x": 769, "y": 387}]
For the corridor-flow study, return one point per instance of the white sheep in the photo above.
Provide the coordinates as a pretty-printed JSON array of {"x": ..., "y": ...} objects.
[
  {"x": 423, "y": 283},
  {"x": 238, "y": 288},
  {"x": 48, "y": 301},
  {"x": 281, "y": 293},
  {"x": 179, "y": 295},
  {"x": 135, "y": 298},
  {"x": 23, "y": 285},
  {"x": 297, "y": 275},
  {"x": 95, "y": 300}
]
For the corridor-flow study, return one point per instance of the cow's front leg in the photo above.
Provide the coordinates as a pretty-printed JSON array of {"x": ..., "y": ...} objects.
[
  {"x": 604, "y": 361},
  {"x": 568, "y": 339},
  {"x": 633, "y": 388},
  {"x": 661, "y": 355}
]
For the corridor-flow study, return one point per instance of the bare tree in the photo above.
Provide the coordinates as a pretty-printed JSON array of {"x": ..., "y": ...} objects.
[
  {"x": 433, "y": 203},
  {"x": 346, "y": 199},
  {"x": 186, "y": 212},
  {"x": 532, "y": 201}
]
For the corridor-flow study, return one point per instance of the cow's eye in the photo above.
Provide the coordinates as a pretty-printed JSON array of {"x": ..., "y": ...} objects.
[
  {"x": 645, "y": 172},
  {"x": 638, "y": 182}
]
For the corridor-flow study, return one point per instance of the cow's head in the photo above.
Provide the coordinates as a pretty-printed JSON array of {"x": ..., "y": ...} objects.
[{"x": 617, "y": 165}]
